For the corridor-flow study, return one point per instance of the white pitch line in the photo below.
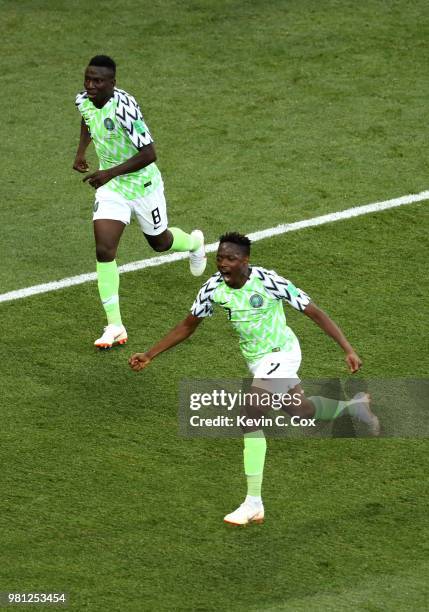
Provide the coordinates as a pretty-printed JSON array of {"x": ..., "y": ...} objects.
[{"x": 356, "y": 211}]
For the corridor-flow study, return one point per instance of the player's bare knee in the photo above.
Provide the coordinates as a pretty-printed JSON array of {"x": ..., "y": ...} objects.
[
  {"x": 159, "y": 247},
  {"x": 306, "y": 408},
  {"x": 302, "y": 408},
  {"x": 160, "y": 243},
  {"x": 105, "y": 253}
]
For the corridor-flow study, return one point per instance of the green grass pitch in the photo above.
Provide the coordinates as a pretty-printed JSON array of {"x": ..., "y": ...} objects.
[{"x": 263, "y": 112}]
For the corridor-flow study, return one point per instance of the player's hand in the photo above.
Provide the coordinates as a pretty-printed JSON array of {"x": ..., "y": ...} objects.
[
  {"x": 98, "y": 178},
  {"x": 353, "y": 361},
  {"x": 80, "y": 164},
  {"x": 138, "y": 361}
]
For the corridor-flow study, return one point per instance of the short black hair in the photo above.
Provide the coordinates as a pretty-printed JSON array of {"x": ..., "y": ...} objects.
[
  {"x": 239, "y": 239},
  {"x": 103, "y": 61}
]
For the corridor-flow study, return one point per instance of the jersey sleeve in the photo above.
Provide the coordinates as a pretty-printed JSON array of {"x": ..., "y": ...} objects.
[
  {"x": 131, "y": 119},
  {"x": 203, "y": 304},
  {"x": 283, "y": 289},
  {"x": 81, "y": 97}
]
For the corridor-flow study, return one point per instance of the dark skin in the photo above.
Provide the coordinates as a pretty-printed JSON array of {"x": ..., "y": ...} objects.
[
  {"x": 233, "y": 264},
  {"x": 99, "y": 82}
]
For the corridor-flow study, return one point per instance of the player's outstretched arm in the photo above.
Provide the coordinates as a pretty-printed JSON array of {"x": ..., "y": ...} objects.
[
  {"x": 80, "y": 164},
  {"x": 143, "y": 158},
  {"x": 331, "y": 329},
  {"x": 178, "y": 334}
]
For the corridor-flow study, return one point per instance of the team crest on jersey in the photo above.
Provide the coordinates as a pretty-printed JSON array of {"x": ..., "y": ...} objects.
[
  {"x": 256, "y": 300},
  {"x": 95, "y": 206},
  {"x": 108, "y": 124}
]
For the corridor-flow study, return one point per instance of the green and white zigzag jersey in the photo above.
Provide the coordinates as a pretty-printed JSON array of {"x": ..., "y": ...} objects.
[
  {"x": 255, "y": 311},
  {"x": 118, "y": 131}
]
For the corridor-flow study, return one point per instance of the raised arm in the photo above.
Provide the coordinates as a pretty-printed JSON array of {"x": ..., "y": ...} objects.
[
  {"x": 331, "y": 329},
  {"x": 80, "y": 163},
  {"x": 178, "y": 334}
]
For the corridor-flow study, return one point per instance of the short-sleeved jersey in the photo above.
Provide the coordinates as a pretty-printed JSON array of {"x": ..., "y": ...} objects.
[
  {"x": 118, "y": 131},
  {"x": 255, "y": 311}
]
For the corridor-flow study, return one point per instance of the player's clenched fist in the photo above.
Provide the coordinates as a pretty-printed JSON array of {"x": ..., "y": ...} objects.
[
  {"x": 138, "y": 361},
  {"x": 80, "y": 164},
  {"x": 353, "y": 361}
]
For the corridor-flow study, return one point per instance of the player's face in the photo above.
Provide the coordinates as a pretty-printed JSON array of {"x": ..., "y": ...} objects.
[
  {"x": 232, "y": 264},
  {"x": 99, "y": 84}
]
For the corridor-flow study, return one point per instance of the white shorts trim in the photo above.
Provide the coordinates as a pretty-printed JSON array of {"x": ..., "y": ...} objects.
[
  {"x": 150, "y": 210},
  {"x": 277, "y": 372}
]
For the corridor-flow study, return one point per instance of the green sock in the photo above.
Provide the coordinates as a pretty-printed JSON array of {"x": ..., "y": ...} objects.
[
  {"x": 108, "y": 288},
  {"x": 183, "y": 241},
  {"x": 255, "y": 447},
  {"x": 327, "y": 409}
]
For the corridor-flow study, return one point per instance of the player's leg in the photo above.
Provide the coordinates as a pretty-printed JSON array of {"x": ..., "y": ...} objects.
[
  {"x": 278, "y": 367},
  {"x": 111, "y": 215},
  {"x": 255, "y": 446},
  {"x": 329, "y": 409},
  {"x": 151, "y": 212},
  {"x": 279, "y": 370}
]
